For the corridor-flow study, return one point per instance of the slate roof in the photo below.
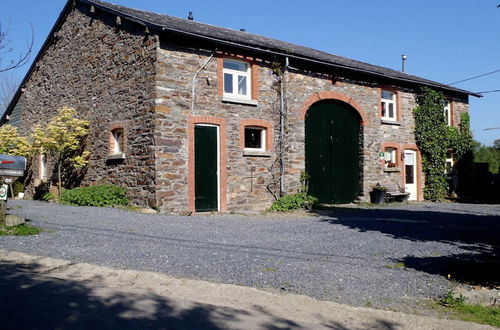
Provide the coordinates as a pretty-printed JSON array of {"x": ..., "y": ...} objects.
[
  {"x": 234, "y": 38},
  {"x": 261, "y": 43}
]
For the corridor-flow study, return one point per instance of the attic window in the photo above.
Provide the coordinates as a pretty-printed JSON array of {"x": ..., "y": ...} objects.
[
  {"x": 237, "y": 79},
  {"x": 447, "y": 113},
  {"x": 388, "y": 104}
]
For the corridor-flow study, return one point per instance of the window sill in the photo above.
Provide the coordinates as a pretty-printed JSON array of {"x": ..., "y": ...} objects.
[
  {"x": 390, "y": 122},
  {"x": 256, "y": 153},
  {"x": 392, "y": 169},
  {"x": 117, "y": 156},
  {"x": 237, "y": 100}
]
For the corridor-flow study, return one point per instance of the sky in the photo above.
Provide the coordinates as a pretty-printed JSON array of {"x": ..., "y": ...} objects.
[{"x": 444, "y": 40}]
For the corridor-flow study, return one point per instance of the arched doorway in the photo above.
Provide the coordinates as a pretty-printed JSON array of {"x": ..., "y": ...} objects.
[{"x": 332, "y": 130}]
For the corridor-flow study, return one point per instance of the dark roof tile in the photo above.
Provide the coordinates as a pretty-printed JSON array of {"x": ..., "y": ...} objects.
[{"x": 263, "y": 43}]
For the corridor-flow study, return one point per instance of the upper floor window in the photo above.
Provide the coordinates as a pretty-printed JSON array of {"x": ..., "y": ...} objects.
[
  {"x": 388, "y": 105},
  {"x": 447, "y": 113},
  {"x": 237, "y": 79}
]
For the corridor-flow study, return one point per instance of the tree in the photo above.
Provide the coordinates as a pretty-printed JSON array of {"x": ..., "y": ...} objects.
[
  {"x": 13, "y": 144},
  {"x": 490, "y": 155},
  {"x": 6, "y": 50},
  {"x": 496, "y": 144},
  {"x": 63, "y": 140}
]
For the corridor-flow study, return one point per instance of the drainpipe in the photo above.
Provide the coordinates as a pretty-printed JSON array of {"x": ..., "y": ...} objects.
[
  {"x": 194, "y": 78},
  {"x": 282, "y": 128}
]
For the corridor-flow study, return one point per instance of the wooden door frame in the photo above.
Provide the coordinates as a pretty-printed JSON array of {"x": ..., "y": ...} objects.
[
  {"x": 222, "y": 158},
  {"x": 419, "y": 178}
]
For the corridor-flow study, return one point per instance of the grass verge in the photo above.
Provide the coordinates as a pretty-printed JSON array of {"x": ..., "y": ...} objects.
[
  {"x": 458, "y": 309},
  {"x": 21, "y": 230}
]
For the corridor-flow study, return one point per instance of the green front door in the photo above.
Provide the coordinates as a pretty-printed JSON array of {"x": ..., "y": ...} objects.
[
  {"x": 332, "y": 152},
  {"x": 206, "y": 168}
]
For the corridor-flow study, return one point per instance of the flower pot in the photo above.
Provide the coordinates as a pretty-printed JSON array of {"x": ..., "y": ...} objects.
[{"x": 377, "y": 196}]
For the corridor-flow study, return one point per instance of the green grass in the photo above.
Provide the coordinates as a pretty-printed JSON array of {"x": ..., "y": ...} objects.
[
  {"x": 21, "y": 230},
  {"x": 269, "y": 270},
  {"x": 395, "y": 266},
  {"x": 478, "y": 314},
  {"x": 458, "y": 309}
]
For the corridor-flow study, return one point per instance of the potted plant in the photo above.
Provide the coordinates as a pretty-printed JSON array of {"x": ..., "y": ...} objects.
[{"x": 377, "y": 194}]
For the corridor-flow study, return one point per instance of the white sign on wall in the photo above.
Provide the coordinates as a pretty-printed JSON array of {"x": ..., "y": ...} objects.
[{"x": 3, "y": 192}]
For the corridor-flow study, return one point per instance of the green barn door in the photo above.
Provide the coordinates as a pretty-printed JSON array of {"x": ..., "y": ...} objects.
[
  {"x": 206, "y": 168},
  {"x": 332, "y": 152}
]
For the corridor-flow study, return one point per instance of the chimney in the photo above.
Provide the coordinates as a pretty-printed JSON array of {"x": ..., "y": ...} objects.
[{"x": 190, "y": 16}]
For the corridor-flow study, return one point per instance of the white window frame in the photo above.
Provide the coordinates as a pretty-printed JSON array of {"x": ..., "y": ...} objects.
[
  {"x": 385, "y": 105},
  {"x": 447, "y": 113},
  {"x": 448, "y": 161},
  {"x": 117, "y": 147},
  {"x": 235, "y": 73},
  {"x": 44, "y": 171},
  {"x": 263, "y": 142},
  {"x": 390, "y": 156}
]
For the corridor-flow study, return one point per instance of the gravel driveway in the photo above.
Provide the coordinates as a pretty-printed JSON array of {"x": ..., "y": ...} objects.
[{"x": 386, "y": 257}]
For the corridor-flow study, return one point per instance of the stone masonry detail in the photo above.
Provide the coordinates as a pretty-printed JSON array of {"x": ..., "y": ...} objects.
[
  {"x": 118, "y": 74},
  {"x": 107, "y": 73}
]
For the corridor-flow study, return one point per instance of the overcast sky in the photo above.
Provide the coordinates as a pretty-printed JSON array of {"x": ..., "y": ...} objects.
[{"x": 445, "y": 40}]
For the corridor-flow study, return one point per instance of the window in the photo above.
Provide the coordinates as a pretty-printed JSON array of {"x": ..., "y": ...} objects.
[
  {"x": 390, "y": 157},
  {"x": 447, "y": 113},
  {"x": 237, "y": 79},
  {"x": 388, "y": 105},
  {"x": 117, "y": 141},
  {"x": 43, "y": 170},
  {"x": 255, "y": 138},
  {"x": 449, "y": 164}
]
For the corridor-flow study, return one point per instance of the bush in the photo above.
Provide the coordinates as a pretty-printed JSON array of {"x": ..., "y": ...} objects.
[
  {"x": 49, "y": 197},
  {"x": 18, "y": 187},
  {"x": 294, "y": 202},
  {"x": 101, "y": 195}
]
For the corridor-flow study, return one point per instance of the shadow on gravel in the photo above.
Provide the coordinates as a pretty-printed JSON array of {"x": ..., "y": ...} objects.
[
  {"x": 476, "y": 233},
  {"x": 31, "y": 301}
]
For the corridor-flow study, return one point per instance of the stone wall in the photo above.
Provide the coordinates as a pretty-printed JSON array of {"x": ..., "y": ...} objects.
[
  {"x": 106, "y": 71},
  {"x": 248, "y": 178},
  {"x": 118, "y": 76}
]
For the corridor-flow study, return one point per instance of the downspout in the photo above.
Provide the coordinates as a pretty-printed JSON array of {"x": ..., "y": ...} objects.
[
  {"x": 196, "y": 75},
  {"x": 282, "y": 128}
]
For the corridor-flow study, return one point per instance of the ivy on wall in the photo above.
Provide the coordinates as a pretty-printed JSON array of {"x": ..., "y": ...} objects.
[{"x": 435, "y": 139}]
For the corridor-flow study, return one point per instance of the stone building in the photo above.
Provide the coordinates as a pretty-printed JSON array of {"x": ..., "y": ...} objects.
[{"x": 190, "y": 116}]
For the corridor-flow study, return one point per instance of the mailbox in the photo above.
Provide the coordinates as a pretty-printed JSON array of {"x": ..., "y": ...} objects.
[{"x": 12, "y": 166}]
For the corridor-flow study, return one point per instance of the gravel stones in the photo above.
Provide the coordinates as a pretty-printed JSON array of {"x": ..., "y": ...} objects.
[{"x": 386, "y": 257}]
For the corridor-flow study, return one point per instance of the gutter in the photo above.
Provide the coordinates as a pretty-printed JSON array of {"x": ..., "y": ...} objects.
[
  {"x": 71, "y": 3},
  {"x": 270, "y": 51}
]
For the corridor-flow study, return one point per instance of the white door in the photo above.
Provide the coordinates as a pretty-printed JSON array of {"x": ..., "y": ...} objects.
[{"x": 411, "y": 174}]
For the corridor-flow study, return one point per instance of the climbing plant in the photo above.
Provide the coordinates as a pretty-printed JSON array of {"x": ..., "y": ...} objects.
[{"x": 435, "y": 139}]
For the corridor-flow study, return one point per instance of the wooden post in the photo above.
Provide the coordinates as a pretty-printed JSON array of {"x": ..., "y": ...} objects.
[{"x": 3, "y": 209}]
